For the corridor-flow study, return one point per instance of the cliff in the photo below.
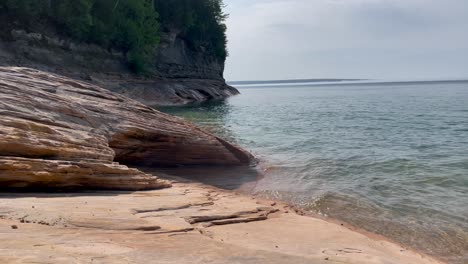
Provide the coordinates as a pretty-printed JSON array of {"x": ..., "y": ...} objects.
[
  {"x": 180, "y": 75},
  {"x": 59, "y": 132}
]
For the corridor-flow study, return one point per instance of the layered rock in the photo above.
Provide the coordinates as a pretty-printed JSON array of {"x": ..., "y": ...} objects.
[
  {"x": 45, "y": 174},
  {"x": 188, "y": 223},
  {"x": 179, "y": 76},
  {"x": 59, "y": 132}
]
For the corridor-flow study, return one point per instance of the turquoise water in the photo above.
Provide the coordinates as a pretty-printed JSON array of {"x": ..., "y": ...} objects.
[{"x": 390, "y": 158}]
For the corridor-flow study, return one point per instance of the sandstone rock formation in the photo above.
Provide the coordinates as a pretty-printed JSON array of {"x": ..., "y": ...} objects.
[
  {"x": 179, "y": 76},
  {"x": 188, "y": 223},
  {"x": 59, "y": 132}
]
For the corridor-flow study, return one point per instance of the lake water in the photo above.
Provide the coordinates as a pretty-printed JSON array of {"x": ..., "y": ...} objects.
[{"x": 390, "y": 158}]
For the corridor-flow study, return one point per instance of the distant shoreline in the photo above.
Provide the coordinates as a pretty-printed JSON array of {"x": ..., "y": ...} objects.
[
  {"x": 292, "y": 81},
  {"x": 336, "y": 82}
]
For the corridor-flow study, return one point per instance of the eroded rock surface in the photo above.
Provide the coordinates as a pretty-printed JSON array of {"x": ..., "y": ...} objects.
[
  {"x": 188, "y": 223},
  {"x": 180, "y": 75},
  {"x": 59, "y": 132}
]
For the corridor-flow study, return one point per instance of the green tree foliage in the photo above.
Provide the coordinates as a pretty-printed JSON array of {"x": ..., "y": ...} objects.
[
  {"x": 25, "y": 9},
  {"x": 74, "y": 16},
  {"x": 202, "y": 22},
  {"x": 129, "y": 25},
  {"x": 132, "y": 26}
]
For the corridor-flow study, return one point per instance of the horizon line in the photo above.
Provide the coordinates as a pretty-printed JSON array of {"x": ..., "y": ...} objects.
[
  {"x": 345, "y": 79},
  {"x": 303, "y": 82}
]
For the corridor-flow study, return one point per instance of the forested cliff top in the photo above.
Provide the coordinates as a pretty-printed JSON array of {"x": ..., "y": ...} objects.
[
  {"x": 160, "y": 52},
  {"x": 133, "y": 27}
]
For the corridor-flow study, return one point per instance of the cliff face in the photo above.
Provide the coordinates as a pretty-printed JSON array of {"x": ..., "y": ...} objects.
[
  {"x": 179, "y": 76},
  {"x": 59, "y": 132}
]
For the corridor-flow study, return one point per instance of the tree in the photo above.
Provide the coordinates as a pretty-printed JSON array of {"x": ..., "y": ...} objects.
[
  {"x": 201, "y": 22},
  {"x": 26, "y": 10},
  {"x": 74, "y": 16},
  {"x": 129, "y": 25}
]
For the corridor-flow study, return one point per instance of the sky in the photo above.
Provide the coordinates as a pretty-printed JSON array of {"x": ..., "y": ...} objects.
[{"x": 369, "y": 39}]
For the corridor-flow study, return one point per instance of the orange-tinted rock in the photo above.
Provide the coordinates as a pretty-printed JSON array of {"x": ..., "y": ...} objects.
[
  {"x": 52, "y": 121},
  {"x": 37, "y": 173}
]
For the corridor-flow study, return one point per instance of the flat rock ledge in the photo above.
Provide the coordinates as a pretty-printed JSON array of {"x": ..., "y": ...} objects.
[
  {"x": 188, "y": 223},
  {"x": 63, "y": 133}
]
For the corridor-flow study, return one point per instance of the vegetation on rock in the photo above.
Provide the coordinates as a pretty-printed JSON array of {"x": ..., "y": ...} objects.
[
  {"x": 132, "y": 26},
  {"x": 201, "y": 21}
]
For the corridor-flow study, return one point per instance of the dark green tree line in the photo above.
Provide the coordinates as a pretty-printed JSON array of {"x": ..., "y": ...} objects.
[
  {"x": 132, "y": 26},
  {"x": 202, "y": 22}
]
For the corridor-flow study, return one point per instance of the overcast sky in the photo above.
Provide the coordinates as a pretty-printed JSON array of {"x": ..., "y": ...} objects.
[{"x": 378, "y": 39}]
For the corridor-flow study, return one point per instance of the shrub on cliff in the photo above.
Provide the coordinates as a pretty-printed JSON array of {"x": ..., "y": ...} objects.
[
  {"x": 127, "y": 25},
  {"x": 201, "y": 22}
]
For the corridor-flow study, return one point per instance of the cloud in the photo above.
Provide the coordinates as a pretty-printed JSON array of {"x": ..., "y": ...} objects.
[{"x": 276, "y": 39}]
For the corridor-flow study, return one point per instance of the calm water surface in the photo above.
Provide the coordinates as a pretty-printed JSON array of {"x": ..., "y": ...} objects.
[{"x": 390, "y": 158}]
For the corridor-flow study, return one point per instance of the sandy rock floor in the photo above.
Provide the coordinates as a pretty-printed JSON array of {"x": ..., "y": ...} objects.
[{"x": 188, "y": 223}]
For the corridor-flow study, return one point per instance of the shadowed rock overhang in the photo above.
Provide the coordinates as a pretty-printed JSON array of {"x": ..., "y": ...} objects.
[{"x": 59, "y": 132}]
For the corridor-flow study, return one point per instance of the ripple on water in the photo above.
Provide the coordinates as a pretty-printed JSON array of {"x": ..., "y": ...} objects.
[{"x": 391, "y": 159}]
